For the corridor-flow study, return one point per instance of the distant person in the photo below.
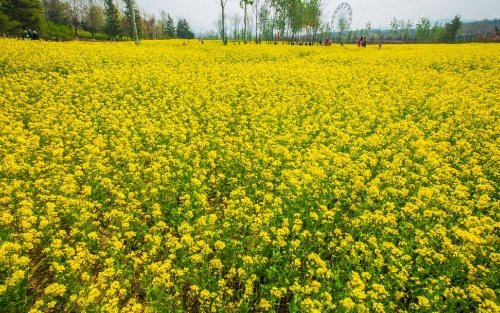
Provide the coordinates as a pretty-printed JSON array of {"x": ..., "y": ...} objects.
[
  {"x": 379, "y": 47},
  {"x": 360, "y": 40},
  {"x": 363, "y": 44}
]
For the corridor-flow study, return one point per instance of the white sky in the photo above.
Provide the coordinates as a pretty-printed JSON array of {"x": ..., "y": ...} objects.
[{"x": 200, "y": 14}]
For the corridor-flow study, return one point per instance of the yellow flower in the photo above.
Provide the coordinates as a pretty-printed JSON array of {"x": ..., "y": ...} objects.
[
  {"x": 347, "y": 303},
  {"x": 219, "y": 245},
  {"x": 264, "y": 304},
  {"x": 55, "y": 289}
]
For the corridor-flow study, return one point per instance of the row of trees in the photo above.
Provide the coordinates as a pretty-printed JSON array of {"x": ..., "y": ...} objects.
[
  {"x": 88, "y": 18},
  {"x": 273, "y": 19},
  {"x": 306, "y": 19},
  {"x": 424, "y": 31},
  {"x": 292, "y": 20}
]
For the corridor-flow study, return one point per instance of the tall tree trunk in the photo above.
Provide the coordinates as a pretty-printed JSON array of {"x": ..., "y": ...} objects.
[
  {"x": 133, "y": 22},
  {"x": 75, "y": 14},
  {"x": 256, "y": 26},
  {"x": 245, "y": 24},
  {"x": 222, "y": 4}
]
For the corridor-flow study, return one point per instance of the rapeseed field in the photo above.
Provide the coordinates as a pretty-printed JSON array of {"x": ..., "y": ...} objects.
[{"x": 249, "y": 178}]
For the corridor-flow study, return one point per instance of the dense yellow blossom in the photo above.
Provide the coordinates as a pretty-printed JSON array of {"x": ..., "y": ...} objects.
[{"x": 210, "y": 178}]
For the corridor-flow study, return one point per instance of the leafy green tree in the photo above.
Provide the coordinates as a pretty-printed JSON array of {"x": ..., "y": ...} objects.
[
  {"x": 167, "y": 25},
  {"x": 423, "y": 27},
  {"x": 19, "y": 15},
  {"x": 171, "y": 31},
  {"x": 296, "y": 16},
  {"x": 281, "y": 15},
  {"x": 452, "y": 29},
  {"x": 396, "y": 26},
  {"x": 112, "y": 18},
  {"x": 312, "y": 16},
  {"x": 183, "y": 29},
  {"x": 401, "y": 28},
  {"x": 436, "y": 32},
  {"x": 405, "y": 28},
  {"x": 4, "y": 21}
]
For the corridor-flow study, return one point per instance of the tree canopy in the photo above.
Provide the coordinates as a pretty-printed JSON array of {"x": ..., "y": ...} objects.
[
  {"x": 112, "y": 27},
  {"x": 184, "y": 30},
  {"x": 19, "y": 15},
  {"x": 452, "y": 29},
  {"x": 270, "y": 20}
]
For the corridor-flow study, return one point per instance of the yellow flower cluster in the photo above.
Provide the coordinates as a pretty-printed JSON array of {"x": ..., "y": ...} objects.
[{"x": 210, "y": 178}]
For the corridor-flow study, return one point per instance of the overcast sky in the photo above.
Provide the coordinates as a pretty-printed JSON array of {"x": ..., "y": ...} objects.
[{"x": 200, "y": 14}]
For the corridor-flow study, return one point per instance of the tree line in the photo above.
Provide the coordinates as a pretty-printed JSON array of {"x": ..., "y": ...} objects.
[
  {"x": 305, "y": 20},
  {"x": 456, "y": 30},
  {"x": 269, "y": 20},
  {"x": 272, "y": 20},
  {"x": 92, "y": 19}
]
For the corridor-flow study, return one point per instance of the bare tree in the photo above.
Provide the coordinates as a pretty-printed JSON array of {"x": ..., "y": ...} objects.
[
  {"x": 150, "y": 27},
  {"x": 243, "y": 5},
  {"x": 235, "y": 22},
  {"x": 250, "y": 27},
  {"x": 163, "y": 22},
  {"x": 256, "y": 13},
  {"x": 46, "y": 8},
  {"x": 222, "y": 4},
  {"x": 368, "y": 28},
  {"x": 218, "y": 25},
  {"x": 93, "y": 16},
  {"x": 75, "y": 10},
  {"x": 484, "y": 27}
]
